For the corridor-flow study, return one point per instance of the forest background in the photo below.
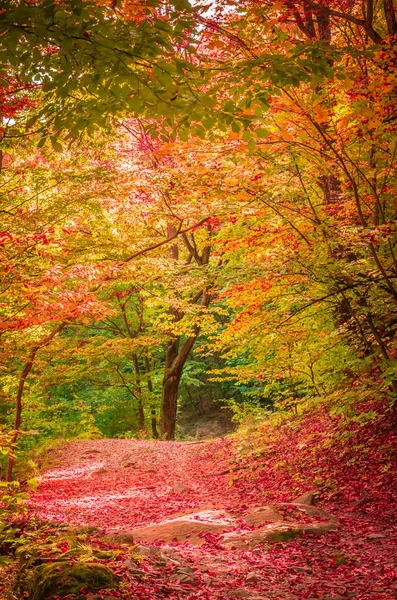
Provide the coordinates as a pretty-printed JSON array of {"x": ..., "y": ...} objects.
[{"x": 198, "y": 211}]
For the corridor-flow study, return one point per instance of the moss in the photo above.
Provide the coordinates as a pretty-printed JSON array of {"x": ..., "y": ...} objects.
[
  {"x": 30, "y": 554},
  {"x": 84, "y": 529},
  {"x": 105, "y": 554},
  {"x": 63, "y": 579},
  {"x": 284, "y": 535}
]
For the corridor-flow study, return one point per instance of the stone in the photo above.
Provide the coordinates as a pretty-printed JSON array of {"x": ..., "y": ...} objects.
[
  {"x": 120, "y": 537},
  {"x": 191, "y": 527},
  {"x": 306, "y": 498},
  {"x": 100, "y": 471},
  {"x": 317, "y": 521},
  {"x": 262, "y": 515},
  {"x": 184, "y": 575},
  {"x": 132, "y": 569},
  {"x": 252, "y": 578},
  {"x": 147, "y": 550},
  {"x": 274, "y": 523}
]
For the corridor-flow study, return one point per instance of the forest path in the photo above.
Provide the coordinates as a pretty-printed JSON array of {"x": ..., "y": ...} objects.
[{"x": 122, "y": 484}]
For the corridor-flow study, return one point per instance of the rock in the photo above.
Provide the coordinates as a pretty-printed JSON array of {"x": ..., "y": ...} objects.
[
  {"x": 279, "y": 529},
  {"x": 120, "y": 537},
  {"x": 127, "y": 464},
  {"x": 252, "y": 578},
  {"x": 147, "y": 550},
  {"x": 184, "y": 575},
  {"x": 132, "y": 568},
  {"x": 83, "y": 530},
  {"x": 191, "y": 527},
  {"x": 307, "y": 498},
  {"x": 277, "y": 523},
  {"x": 100, "y": 471},
  {"x": 61, "y": 578},
  {"x": 262, "y": 515},
  {"x": 30, "y": 555}
]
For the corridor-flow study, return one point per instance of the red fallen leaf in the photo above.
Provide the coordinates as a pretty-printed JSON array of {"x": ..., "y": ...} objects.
[{"x": 63, "y": 546}]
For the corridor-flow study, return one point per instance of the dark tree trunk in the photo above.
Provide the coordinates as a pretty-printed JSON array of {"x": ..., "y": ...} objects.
[
  {"x": 138, "y": 387},
  {"x": 18, "y": 412},
  {"x": 177, "y": 352},
  {"x": 153, "y": 417},
  {"x": 170, "y": 389},
  {"x": 18, "y": 399},
  {"x": 331, "y": 188},
  {"x": 390, "y": 15},
  {"x": 174, "y": 363},
  {"x": 169, "y": 405}
]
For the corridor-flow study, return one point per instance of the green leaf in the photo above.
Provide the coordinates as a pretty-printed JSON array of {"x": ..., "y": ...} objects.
[
  {"x": 251, "y": 145},
  {"x": 262, "y": 133},
  {"x": 55, "y": 144},
  {"x": 31, "y": 121},
  {"x": 33, "y": 484},
  {"x": 229, "y": 106},
  {"x": 200, "y": 132}
]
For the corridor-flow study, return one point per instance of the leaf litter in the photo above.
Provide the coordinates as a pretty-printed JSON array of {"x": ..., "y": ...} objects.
[{"x": 118, "y": 485}]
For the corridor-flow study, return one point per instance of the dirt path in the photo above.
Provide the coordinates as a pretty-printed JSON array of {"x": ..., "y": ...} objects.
[
  {"x": 122, "y": 484},
  {"x": 119, "y": 484}
]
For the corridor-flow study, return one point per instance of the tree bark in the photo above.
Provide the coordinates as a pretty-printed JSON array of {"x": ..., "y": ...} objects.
[
  {"x": 390, "y": 16},
  {"x": 138, "y": 387},
  {"x": 169, "y": 405},
  {"x": 153, "y": 418},
  {"x": 177, "y": 354},
  {"x": 18, "y": 398}
]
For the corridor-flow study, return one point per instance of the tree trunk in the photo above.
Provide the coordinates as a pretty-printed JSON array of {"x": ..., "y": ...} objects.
[
  {"x": 138, "y": 387},
  {"x": 18, "y": 412},
  {"x": 176, "y": 355},
  {"x": 390, "y": 16},
  {"x": 169, "y": 405},
  {"x": 170, "y": 389},
  {"x": 18, "y": 399},
  {"x": 153, "y": 417}
]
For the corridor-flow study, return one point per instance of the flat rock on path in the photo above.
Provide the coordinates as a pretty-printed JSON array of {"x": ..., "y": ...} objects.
[{"x": 280, "y": 522}]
